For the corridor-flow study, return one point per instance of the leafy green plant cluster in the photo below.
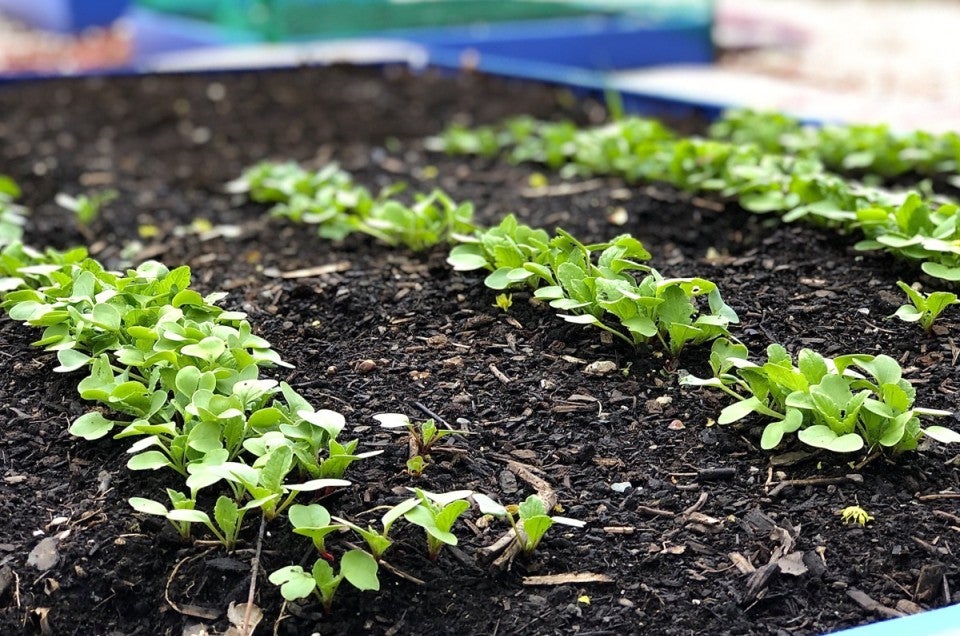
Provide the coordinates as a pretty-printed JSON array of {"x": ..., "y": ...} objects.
[
  {"x": 872, "y": 148},
  {"x": 184, "y": 374},
  {"x": 435, "y": 513},
  {"x": 908, "y": 225},
  {"x": 12, "y": 216},
  {"x": 85, "y": 207},
  {"x": 592, "y": 284},
  {"x": 595, "y": 284},
  {"x": 530, "y": 520},
  {"x": 840, "y": 404},
  {"x": 423, "y": 437},
  {"x": 923, "y": 308},
  {"x": 330, "y": 199}
]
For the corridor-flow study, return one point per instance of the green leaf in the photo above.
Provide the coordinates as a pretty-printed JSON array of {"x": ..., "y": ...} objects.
[
  {"x": 738, "y": 410},
  {"x": 91, "y": 426},
  {"x": 774, "y": 431},
  {"x": 188, "y": 516},
  {"x": 466, "y": 258},
  {"x": 820, "y": 436},
  {"x": 907, "y": 313},
  {"x": 532, "y": 506},
  {"x": 226, "y": 514},
  {"x": 938, "y": 270},
  {"x": 71, "y": 360},
  {"x": 942, "y": 434},
  {"x": 450, "y": 513},
  {"x": 275, "y": 469},
  {"x": 423, "y": 517},
  {"x": 885, "y": 369},
  {"x": 312, "y": 516},
  {"x": 360, "y": 569},
  {"x": 150, "y": 460},
  {"x": 535, "y": 528},
  {"x": 894, "y": 429},
  {"x": 488, "y": 506},
  {"x": 294, "y": 582},
  {"x": 499, "y": 279},
  {"x": 812, "y": 365},
  {"x": 209, "y": 349},
  {"x": 106, "y": 316},
  {"x": 148, "y": 506}
]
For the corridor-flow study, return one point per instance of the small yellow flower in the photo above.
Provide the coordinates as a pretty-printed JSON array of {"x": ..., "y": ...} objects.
[
  {"x": 855, "y": 514},
  {"x": 537, "y": 180},
  {"x": 504, "y": 301}
]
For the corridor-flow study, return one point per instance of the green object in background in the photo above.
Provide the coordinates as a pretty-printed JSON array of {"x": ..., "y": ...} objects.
[{"x": 278, "y": 20}]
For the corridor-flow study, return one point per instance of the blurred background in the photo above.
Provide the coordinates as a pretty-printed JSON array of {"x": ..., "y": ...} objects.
[{"x": 854, "y": 60}]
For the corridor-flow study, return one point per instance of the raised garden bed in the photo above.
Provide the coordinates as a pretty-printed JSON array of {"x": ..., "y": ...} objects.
[{"x": 678, "y": 510}]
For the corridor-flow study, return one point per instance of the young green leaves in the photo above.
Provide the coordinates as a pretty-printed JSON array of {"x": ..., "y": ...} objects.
[
  {"x": 530, "y": 519},
  {"x": 842, "y": 404},
  {"x": 436, "y": 513},
  {"x": 594, "y": 284},
  {"x": 85, "y": 207},
  {"x": 356, "y": 567},
  {"x": 911, "y": 225},
  {"x": 923, "y": 308},
  {"x": 338, "y": 207}
]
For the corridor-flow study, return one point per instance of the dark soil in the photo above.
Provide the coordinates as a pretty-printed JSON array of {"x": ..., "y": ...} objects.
[{"x": 676, "y": 545}]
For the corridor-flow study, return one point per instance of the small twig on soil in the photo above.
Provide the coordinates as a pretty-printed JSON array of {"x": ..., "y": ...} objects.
[
  {"x": 816, "y": 481},
  {"x": 939, "y": 495},
  {"x": 498, "y": 374},
  {"x": 254, "y": 569},
  {"x": 566, "y": 579},
  {"x": 280, "y": 618},
  {"x": 867, "y": 603},
  {"x": 506, "y": 548},
  {"x": 563, "y": 189},
  {"x": 869, "y": 458},
  {"x": 619, "y": 529},
  {"x": 696, "y": 506},
  {"x": 187, "y": 610},
  {"x": 432, "y": 414},
  {"x": 655, "y": 512},
  {"x": 946, "y": 515}
]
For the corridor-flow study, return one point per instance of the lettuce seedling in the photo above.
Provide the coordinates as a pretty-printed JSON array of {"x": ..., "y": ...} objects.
[
  {"x": 436, "y": 513},
  {"x": 379, "y": 541},
  {"x": 313, "y": 521},
  {"x": 227, "y": 516},
  {"x": 85, "y": 207},
  {"x": 514, "y": 253},
  {"x": 432, "y": 219},
  {"x": 841, "y": 404},
  {"x": 12, "y": 220},
  {"x": 532, "y": 519},
  {"x": 923, "y": 308},
  {"x": 356, "y": 567},
  {"x": 425, "y": 435}
]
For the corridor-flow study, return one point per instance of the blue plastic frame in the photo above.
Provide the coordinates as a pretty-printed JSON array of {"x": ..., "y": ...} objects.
[{"x": 65, "y": 16}]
